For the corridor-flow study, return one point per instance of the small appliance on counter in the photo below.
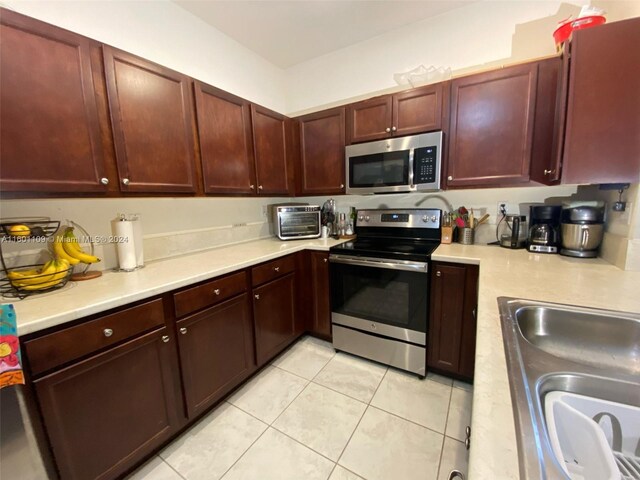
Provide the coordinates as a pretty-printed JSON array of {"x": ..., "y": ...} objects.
[
  {"x": 544, "y": 233},
  {"x": 295, "y": 221},
  {"x": 512, "y": 231},
  {"x": 582, "y": 229}
]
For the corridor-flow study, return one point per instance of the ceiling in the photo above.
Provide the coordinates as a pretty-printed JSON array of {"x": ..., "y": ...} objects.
[{"x": 290, "y": 32}]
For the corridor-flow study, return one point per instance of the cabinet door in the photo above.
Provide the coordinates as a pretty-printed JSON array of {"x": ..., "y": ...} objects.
[
  {"x": 602, "y": 142},
  {"x": 274, "y": 317},
  {"x": 321, "y": 307},
  {"x": 216, "y": 351},
  {"x": 492, "y": 127},
  {"x": 452, "y": 322},
  {"x": 369, "y": 120},
  {"x": 270, "y": 151},
  {"x": 105, "y": 413},
  {"x": 224, "y": 127},
  {"x": 322, "y": 142},
  {"x": 49, "y": 128},
  {"x": 151, "y": 115},
  {"x": 418, "y": 110},
  {"x": 548, "y": 130}
]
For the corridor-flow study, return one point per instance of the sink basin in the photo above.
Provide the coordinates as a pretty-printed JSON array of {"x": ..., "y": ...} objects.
[
  {"x": 591, "y": 337},
  {"x": 553, "y": 348}
]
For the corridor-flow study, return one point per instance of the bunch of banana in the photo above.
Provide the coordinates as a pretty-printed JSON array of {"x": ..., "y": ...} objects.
[
  {"x": 66, "y": 246},
  {"x": 52, "y": 273}
]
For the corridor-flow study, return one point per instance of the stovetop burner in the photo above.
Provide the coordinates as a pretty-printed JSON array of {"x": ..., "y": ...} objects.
[{"x": 408, "y": 234}]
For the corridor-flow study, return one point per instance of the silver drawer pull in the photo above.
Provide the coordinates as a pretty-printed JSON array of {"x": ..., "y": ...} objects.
[
  {"x": 467, "y": 443},
  {"x": 257, "y": 296},
  {"x": 183, "y": 330},
  {"x": 468, "y": 431},
  {"x": 438, "y": 274},
  {"x": 165, "y": 338},
  {"x": 107, "y": 332},
  {"x": 325, "y": 260},
  {"x": 277, "y": 269},
  {"x": 217, "y": 291}
]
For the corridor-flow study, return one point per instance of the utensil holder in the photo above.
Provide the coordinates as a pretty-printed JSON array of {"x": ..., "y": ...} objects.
[{"x": 466, "y": 235}]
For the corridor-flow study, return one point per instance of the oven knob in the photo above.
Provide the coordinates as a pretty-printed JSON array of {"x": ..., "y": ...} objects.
[
  {"x": 360, "y": 218},
  {"x": 425, "y": 218},
  {"x": 434, "y": 218},
  {"x": 367, "y": 218}
]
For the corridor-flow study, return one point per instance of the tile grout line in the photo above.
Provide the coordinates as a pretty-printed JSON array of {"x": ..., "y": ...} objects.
[
  {"x": 444, "y": 435},
  {"x": 171, "y": 467},
  {"x": 244, "y": 453}
]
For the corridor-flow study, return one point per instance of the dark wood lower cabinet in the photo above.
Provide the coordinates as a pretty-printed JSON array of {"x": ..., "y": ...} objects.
[
  {"x": 106, "y": 413},
  {"x": 452, "y": 320},
  {"x": 318, "y": 301},
  {"x": 216, "y": 351},
  {"x": 274, "y": 310}
]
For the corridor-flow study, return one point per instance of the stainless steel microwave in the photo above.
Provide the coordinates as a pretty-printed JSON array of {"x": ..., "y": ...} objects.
[{"x": 405, "y": 164}]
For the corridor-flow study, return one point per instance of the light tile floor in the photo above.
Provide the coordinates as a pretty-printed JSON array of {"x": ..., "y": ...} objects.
[{"x": 314, "y": 414}]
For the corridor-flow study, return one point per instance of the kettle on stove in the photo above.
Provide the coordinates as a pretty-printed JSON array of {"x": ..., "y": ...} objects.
[{"x": 513, "y": 231}]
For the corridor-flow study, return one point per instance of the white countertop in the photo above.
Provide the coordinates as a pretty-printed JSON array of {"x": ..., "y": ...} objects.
[
  {"x": 503, "y": 272},
  {"x": 517, "y": 273}
]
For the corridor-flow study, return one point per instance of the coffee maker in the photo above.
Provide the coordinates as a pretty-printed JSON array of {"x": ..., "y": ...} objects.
[{"x": 544, "y": 233}]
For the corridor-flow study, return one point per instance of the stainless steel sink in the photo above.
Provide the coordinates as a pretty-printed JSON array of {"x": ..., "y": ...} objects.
[
  {"x": 592, "y": 337},
  {"x": 552, "y": 347}
]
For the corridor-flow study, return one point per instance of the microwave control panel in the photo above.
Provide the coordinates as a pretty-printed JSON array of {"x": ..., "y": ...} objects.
[{"x": 424, "y": 165}]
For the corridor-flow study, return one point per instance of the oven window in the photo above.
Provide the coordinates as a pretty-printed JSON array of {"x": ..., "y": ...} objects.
[
  {"x": 392, "y": 297},
  {"x": 379, "y": 170}
]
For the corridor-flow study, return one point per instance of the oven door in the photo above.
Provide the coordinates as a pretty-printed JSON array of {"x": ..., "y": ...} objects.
[{"x": 388, "y": 298}]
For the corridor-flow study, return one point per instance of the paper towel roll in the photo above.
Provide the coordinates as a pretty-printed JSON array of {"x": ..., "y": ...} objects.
[
  {"x": 137, "y": 239},
  {"x": 125, "y": 246}
]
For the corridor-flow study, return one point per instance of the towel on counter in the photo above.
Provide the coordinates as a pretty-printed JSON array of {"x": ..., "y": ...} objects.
[{"x": 10, "y": 362}]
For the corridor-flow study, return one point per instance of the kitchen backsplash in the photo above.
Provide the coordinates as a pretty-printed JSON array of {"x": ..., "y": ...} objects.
[{"x": 177, "y": 226}]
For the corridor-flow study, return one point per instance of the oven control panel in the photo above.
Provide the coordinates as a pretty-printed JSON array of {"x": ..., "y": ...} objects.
[{"x": 406, "y": 218}]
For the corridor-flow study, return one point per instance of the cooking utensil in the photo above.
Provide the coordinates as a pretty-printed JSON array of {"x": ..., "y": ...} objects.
[{"x": 483, "y": 219}]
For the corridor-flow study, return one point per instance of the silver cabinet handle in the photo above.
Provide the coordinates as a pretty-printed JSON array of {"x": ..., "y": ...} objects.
[
  {"x": 125, "y": 181},
  {"x": 468, "y": 429},
  {"x": 393, "y": 129},
  {"x": 252, "y": 187},
  {"x": 325, "y": 260},
  {"x": 165, "y": 338},
  {"x": 183, "y": 330},
  {"x": 548, "y": 172},
  {"x": 217, "y": 291},
  {"x": 107, "y": 332},
  {"x": 467, "y": 443},
  {"x": 257, "y": 296},
  {"x": 277, "y": 269},
  {"x": 438, "y": 274},
  {"x": 474, "y": 316},
  {"x": 388, "y": 130},
  {"x": 259, "y": 187},
  {"x": 456, "y": 474},
  {"x": 449, "y": 178},
  {"x": 104, "y": 181},
  {"x": 342, "y": 185}
]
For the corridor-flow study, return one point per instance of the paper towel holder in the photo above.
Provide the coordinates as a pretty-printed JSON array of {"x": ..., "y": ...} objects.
[{"x": 121, "y": 217}]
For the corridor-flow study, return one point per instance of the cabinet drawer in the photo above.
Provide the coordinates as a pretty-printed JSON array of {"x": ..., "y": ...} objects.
[
  {"x": 209, "y": 293},
  {"x": 273, "y": 269},
  {"x": 57, "y": 348}
]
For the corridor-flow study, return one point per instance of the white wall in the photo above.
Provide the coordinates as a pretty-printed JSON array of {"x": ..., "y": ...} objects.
[{"x": 161, "y": 31}]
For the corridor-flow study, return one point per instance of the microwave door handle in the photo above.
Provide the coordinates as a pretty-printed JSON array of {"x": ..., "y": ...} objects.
[{"x": 420, "y": 267}]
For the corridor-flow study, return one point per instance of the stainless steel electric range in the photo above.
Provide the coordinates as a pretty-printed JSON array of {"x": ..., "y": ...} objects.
[{"x": 380, "y": 287}]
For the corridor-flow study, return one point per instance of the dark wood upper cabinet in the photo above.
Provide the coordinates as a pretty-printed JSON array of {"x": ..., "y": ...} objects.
[
  {"x": 452, "y": 319},
  {"x": 216, "y": 352},
  {"x": 104, "y": 414},
  {"x": 226, "y": 149},
  {"x": 602, "y": 143},
  {"x": 369, "y": 119},
  {"x": 418, "y": 110},
  {"x": 321, "y": 161},
  {"x": 413, "y": 111},
  {"x": 151, "y": 115},
  {"x": 548, "y": 129},
  {"x": 50, "y": 138},
  {"x": 270, "y": 140},
  {"x": 492, "y": 120}
]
